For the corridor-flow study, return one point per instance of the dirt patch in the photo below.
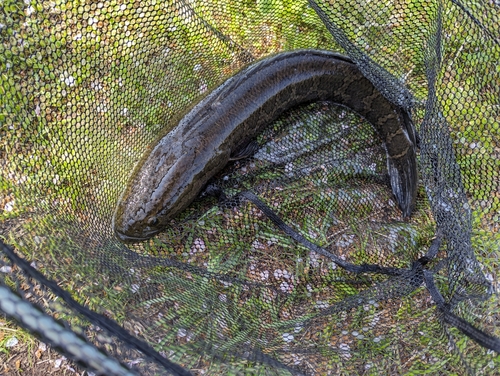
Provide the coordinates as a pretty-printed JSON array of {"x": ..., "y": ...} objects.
[{"x": 22, "y": 355}]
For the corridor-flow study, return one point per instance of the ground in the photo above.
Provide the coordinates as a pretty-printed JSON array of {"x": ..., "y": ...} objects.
[{"x": 30, "y": 357}]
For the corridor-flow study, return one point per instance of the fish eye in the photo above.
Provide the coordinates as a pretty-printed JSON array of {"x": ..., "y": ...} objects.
[{"x": 152, "y": 221}]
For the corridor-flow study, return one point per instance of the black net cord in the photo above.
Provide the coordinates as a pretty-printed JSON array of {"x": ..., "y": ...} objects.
[
  {"x": 416, "y": 275},
  {"x": 74, "y": 347},
  {"x": 88, "y": 354}
]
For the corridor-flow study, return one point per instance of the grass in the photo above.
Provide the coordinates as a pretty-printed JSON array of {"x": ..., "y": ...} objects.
[
  {"x": 46, "y": 85},
  {"x": 276, "y": 252}
]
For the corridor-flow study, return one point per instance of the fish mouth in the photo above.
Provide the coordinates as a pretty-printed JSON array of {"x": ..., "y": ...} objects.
[{"x": 136, "y": 238}]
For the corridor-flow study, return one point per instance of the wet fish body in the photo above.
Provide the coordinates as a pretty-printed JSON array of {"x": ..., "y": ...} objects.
[{"x": 170, "y": 177}]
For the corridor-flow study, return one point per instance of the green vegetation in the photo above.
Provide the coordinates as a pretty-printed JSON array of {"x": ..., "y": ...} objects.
[{"x": 85, "y": 87}]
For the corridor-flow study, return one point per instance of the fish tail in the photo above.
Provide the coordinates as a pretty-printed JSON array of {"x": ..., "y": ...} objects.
[{"x": 404, "y": 180}]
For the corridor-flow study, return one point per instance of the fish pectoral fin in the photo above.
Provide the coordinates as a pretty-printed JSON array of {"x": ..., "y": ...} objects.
[{"x": 245, "y": 151}]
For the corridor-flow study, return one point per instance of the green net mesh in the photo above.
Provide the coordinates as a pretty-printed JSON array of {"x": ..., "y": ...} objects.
[{"x": 87, "y": 88}]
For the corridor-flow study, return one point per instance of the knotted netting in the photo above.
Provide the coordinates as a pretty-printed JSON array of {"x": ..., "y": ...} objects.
[{"x": 301, "y": 262}]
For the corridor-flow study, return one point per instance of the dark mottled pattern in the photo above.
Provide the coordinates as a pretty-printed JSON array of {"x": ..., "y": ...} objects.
[{"x": 173, "y": 174}]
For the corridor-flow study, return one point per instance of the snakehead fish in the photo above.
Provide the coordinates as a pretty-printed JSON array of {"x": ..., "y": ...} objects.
[{"x": 175, "y": 170}]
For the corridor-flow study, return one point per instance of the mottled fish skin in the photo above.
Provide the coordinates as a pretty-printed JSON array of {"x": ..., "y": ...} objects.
[{"x": 170, "y": 177}]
